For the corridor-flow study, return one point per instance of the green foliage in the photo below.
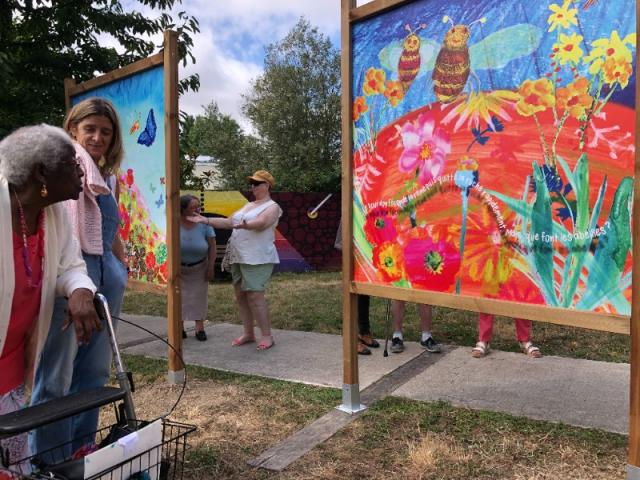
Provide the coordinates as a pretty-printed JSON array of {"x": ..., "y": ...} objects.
[
  {"x": 188, "y": 153},
  {"x": 44, "y": 42},
  {"x": 219, "y": 136},
  {"x": 295, "y": 107}
]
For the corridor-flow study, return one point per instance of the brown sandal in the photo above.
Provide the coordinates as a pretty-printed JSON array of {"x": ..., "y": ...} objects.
[{"x": 369, "y": 341}]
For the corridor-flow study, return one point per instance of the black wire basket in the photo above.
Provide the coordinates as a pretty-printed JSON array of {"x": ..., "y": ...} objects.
[{"x": 163, "y": 462}]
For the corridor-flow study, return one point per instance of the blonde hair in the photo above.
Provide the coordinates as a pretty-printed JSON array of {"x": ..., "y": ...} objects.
[{"x": 99, "y": 106}]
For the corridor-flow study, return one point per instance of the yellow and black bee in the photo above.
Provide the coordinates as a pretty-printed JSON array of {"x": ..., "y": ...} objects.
[
  {"x": 409, "y": 61},
  {"x": 454, "y": 60}
]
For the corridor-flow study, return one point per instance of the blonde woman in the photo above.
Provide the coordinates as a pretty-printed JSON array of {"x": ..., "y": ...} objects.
[
  {"x": 251, "y": 253},
  {"x": 67, "y": 366}
]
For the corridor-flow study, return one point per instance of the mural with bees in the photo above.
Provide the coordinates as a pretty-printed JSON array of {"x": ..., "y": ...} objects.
[{"x": 494, "y": 149}]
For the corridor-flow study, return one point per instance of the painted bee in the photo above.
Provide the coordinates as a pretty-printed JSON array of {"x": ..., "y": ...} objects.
[
  {"x": 453, "y": 64},
  {"x": 409, "y": 62},
  {"x": 453, "y": 61}
]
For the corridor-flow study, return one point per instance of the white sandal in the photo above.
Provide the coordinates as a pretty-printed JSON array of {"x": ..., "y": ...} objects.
[
  {"x": 480, "y": 350},
  {"x": 530, "y": 350}
]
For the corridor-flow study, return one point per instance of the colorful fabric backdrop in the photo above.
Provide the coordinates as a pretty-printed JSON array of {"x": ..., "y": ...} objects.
[
  {"x": 139, "y": 101},
  {"x": 494, "y": 147}
]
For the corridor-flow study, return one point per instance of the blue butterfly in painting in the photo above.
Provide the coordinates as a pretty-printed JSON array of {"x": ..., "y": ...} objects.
[
  {"x": 148, "y": 135},
  {"x": 160, "y": 200}
]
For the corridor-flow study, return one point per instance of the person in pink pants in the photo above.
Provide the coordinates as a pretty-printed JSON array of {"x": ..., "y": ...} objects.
[{"x": 523, "y": 334}]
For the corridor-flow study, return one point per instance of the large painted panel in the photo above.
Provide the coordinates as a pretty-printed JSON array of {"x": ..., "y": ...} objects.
[
  {"x": 494, "y": 147},
  {"x": 139, "y": 101}
]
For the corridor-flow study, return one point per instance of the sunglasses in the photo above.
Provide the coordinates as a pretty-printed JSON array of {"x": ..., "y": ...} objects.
[{"x": 255, "y": 183}]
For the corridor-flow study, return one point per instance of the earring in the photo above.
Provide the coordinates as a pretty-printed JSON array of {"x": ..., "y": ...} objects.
[
  {"x": 43, "y": 191},
  {"x": 102, "y": 162}
]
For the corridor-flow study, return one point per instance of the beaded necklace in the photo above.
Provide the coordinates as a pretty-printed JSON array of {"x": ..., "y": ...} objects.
[{"x": 28, "y": 269}]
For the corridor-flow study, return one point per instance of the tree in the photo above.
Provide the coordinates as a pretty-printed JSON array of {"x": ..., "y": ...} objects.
[
  {"x": 44, "y": 41},
  {"x": 219, "y": 136},
  {"x": 295, "y": 107}
]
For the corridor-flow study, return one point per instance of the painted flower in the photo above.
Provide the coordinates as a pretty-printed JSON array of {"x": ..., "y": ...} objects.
[
  {"x": 388, "y": 260},
  {"x": 125, "y": 223},
  {"x": 535, "y": 96},
  {"x": 575, "y": 98},
  {"x": 617, "y": 70},
  {"x": 562, "y": 16},
  {"x": 161, "y": 253},
  {"x": 374, "y": 81},
  {"x": 425, "y": 147},
  {"x": 466, "y": 173},
  {"x": 604, "y": 48},
  {"x": 429, "y": 264},
  {"x": 394, "y": 93},
  {"x": 359, "y": 107},
  {"x": 380, "y": 227},
  {"x": 568, "y": 49},
  {"x": 482, "y": 106},
  {"x": 150, "y": 260},
  {"x": 488, "y": 256}
]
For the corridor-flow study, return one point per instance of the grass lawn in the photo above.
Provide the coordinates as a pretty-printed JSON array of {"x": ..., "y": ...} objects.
[
  {"x": 239, "y": 417},
  {"x": 313, "y": 302}
]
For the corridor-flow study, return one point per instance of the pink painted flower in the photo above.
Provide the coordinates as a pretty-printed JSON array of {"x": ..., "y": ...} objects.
[
  {"x": 433, "y": 265},
  {"x": 380, "y": 227},
  {"x": 425, "y": 147}
]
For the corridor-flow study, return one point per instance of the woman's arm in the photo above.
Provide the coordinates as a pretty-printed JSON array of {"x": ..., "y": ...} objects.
[
  {"x": 263, "y": 221},
  {"x": 214, "y": 222},
  {"x": 211, "y": 258}
]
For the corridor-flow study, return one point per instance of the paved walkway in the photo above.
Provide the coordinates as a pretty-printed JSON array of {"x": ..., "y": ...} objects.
[{"x": 576, "y": 392}]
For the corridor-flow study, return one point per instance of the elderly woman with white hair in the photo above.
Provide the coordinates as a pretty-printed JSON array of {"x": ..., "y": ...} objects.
[{"x": 38, "y": 169}]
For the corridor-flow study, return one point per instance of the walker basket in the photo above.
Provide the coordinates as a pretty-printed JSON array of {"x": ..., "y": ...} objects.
[{"x": 161, "y": 462}]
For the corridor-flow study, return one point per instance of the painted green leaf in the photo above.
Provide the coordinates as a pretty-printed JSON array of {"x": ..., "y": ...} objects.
[
  {"x": 541, "y": 229},
  {"x": 612, "y": 250},
  {"x": 578, "y": 246}
]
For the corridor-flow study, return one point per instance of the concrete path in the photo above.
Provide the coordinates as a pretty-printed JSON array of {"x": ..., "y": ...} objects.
[{"x": 576, "y": 392}]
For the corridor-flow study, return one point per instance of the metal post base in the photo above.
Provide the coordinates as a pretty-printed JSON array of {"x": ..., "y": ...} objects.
[
  {"x": 175, "y": 378},
  {"x": 351, "y": 399},
  {"x": 633, "y": 472}
]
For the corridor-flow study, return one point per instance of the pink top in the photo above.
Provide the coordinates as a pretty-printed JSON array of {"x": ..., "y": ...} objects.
[
  {"x": 24, "y": 310},
  {"x": 84, "y": 213}
]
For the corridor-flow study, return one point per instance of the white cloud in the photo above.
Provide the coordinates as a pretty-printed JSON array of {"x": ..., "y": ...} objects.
[{"x": 229, "y": 49}]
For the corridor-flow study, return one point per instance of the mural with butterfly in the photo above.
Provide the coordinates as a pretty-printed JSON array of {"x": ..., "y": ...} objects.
[
  {"x": 139, "y": 101},
  {"x": 494, "y": 147}
]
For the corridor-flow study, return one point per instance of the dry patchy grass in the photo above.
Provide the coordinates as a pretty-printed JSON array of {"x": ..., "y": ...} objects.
[{"x": 239, "y": 417}]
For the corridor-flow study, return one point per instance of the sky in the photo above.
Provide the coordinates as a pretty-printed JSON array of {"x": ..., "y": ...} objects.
[{"x": 230, "y": 47}]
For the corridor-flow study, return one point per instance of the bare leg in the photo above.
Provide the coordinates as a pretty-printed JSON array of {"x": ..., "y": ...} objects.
[
  {"x": 397, "y": 309},
  {"x": 245, "y": 316},
  {"x": 258, "y": 306},
  {"x": 426, "y": 317},
  {"x": 199, "y": 325}
]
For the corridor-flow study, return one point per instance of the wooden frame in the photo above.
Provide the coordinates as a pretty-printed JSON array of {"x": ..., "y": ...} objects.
[
  {"x": 575, "y": 318},
  {"x": 168, "y": 58}
]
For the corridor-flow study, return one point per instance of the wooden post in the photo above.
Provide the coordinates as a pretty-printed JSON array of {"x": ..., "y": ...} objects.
[
  {"x": 69, "y": 83},
  {"x": 172, "y": 162},
  {"x": 350, "y": 384},
  {"x": 633, "y": 467}
]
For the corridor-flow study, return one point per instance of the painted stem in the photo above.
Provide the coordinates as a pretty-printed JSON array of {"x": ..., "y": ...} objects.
[
  {"x": 557, "y": 135},
  {"x": 463, "y": 231},
  {"x": 545, "y": 148}
]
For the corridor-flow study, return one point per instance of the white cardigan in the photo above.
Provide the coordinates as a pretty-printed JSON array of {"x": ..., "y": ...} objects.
[{"x": 64, "y": 271}]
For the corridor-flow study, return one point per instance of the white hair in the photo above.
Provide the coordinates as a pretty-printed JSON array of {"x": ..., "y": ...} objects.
[{"x": 27, "y": 147}]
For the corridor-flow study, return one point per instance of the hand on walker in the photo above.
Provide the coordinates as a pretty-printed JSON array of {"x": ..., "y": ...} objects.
[{"x": 83, "y": 315}]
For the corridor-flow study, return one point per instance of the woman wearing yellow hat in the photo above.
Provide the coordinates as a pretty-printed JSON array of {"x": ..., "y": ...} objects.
[{"x": 251, "y": 255}]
